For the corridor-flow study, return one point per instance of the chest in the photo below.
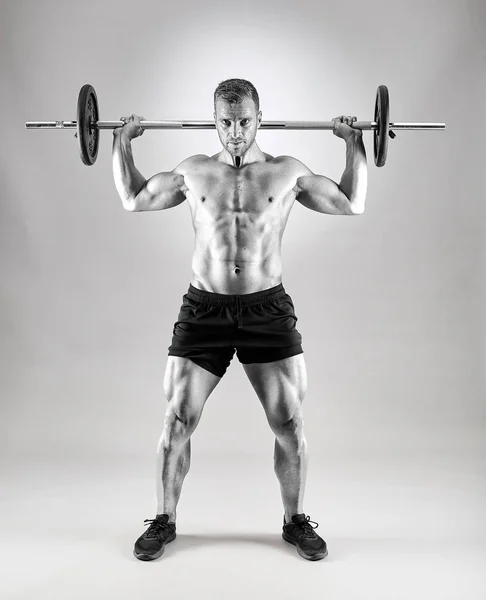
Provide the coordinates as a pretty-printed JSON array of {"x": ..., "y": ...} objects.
[{"x": 253, "y": 190}]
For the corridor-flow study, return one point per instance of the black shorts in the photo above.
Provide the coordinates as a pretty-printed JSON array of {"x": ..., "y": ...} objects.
[{"x": 259, "y": 326}]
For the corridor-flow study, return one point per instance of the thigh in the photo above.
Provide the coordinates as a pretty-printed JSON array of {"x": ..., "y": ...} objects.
[
  {"x": 187, "y": 386},
  {"x": 280, "y": 385}
]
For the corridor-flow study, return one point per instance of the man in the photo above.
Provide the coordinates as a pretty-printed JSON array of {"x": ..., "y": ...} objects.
[{"x": 240, "y": 200}]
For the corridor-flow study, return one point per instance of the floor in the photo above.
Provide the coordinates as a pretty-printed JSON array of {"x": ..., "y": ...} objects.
[{"x": 68, "y": 528}]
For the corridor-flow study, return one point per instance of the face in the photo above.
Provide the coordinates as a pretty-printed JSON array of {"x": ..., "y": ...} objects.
[{"x": 237, "y": 125}]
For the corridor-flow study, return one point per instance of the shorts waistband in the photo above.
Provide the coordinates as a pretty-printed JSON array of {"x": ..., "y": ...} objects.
[{"x": 230, "y": 299}]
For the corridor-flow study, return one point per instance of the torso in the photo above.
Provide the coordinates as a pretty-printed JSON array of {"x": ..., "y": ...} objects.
[{"x": 239, "y": 216}]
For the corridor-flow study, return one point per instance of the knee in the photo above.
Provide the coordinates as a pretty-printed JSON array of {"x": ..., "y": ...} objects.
[
  {"x": 180, "y": 422},
  {"x": 290, "y": 429}
]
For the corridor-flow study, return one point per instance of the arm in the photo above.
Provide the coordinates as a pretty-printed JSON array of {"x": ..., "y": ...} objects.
[
  {"x": 354, "y": 180},
  {"x": 324, "y": 195},
  {"x": 161, "y": 191}
]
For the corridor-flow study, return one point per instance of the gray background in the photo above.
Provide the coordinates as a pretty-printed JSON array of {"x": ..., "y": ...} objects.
[{"x": 390, "y": 304}]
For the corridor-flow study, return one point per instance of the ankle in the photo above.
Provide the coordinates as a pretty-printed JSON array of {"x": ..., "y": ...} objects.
[
  {"x": 172, "y": 516},
  {"x": 288, "y": 516}
]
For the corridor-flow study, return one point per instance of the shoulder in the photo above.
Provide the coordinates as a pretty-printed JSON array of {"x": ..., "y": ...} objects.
[
  {"x": 191, "y": 163},
  {"x": 292, "y": 165}
]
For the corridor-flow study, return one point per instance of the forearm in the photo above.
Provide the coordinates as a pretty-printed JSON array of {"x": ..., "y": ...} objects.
[
  {"x": 354, "y": 180},
  {"x": 128, "y": 180}
]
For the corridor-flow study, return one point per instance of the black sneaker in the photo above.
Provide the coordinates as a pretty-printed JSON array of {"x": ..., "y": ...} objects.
[
  {"x": 151, "y": 544},
  {"x": 301, "y": 534}
]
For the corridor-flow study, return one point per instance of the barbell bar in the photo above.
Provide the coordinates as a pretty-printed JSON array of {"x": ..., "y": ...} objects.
[
  {"x": 88, "y": 125},
  {"x": 364, "y": 125}
]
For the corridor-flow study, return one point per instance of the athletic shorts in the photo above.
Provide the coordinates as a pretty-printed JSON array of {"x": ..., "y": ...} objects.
[{"x": 259, "y": 326}]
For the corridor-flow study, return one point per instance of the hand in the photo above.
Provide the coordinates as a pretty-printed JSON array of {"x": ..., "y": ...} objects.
[
  {"x": 343, "y": 127},
  {"x": 132, "y": 127}
]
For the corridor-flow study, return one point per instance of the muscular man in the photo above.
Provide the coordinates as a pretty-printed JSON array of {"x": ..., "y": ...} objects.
[{"x": 240, "y": 200}]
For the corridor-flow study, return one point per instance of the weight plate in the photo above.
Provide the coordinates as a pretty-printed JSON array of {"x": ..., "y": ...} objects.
[
  {"x": 87, "y": 114},
  {"x": 382, "y": 118}
]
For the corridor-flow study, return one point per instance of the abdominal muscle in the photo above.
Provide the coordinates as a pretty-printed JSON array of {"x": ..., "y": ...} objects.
[
  {"x": 235, "y": 277},
  {"x": 238, "y": 260}
]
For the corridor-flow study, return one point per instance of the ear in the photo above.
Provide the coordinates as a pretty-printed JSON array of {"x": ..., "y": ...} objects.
[{"x": 259, "y": 119}]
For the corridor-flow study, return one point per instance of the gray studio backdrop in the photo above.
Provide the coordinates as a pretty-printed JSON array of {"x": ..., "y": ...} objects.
[{"x": 390, "y": 304}]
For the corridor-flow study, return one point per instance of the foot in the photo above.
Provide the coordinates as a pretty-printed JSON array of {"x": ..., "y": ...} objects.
[
  {"x": 151, "y": 544},
  {"x": 301, "y": 534}
]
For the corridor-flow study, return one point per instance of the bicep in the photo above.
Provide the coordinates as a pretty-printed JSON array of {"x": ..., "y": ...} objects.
[
  {"x": 163, "y": 190},
  {"x": 321, "y": 194}
]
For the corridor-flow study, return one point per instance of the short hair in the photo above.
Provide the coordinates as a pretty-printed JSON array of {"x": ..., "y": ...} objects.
[{"x": 234, "y": 90}]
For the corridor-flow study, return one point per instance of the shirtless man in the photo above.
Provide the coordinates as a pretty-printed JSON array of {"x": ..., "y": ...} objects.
[{"x": 240, "y": 200}]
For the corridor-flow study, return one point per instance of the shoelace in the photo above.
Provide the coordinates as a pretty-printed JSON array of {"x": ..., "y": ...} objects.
[
  {"x": 307, "y": 528},
  {"x": 155, "y": 528}
]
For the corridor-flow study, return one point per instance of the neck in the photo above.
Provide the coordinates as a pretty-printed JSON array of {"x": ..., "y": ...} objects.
[{"x": 253, "y": 154}]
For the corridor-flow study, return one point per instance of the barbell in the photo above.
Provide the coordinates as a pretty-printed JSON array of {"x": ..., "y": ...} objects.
[{"x": 88, "y": 125}]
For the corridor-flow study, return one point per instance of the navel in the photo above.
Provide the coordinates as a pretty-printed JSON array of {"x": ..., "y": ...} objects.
[
  {"x": 270, "y": 199},
  {"x": 203, "y": 198},
  {"x": 237, "y": 270}
]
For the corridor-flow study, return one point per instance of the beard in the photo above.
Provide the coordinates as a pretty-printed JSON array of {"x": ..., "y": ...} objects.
[{"x": 237, "y": 150}]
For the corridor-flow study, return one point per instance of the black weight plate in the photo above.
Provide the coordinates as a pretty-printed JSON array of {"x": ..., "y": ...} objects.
[
  {"x": 87, "y": 114},
  {"x": 382, "y": 116}
]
